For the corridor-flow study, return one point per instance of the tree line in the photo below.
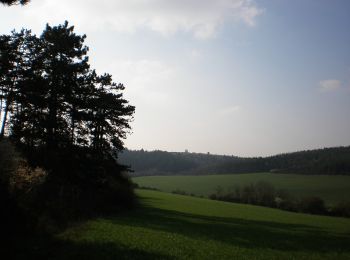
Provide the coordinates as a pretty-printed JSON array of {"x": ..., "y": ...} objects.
[{"x": 331, "y": 161}]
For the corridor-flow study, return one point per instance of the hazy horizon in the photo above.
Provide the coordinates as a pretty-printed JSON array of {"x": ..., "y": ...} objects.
[
  {"x": 234, "y": 77},
  {"x": 251, "y": 156}
]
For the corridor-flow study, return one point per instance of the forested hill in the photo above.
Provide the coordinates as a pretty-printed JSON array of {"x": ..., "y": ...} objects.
[{"x": 332, "y": 161}]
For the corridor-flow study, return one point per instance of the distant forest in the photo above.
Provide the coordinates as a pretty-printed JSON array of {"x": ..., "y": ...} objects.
[{"x": 330, "y": 161}]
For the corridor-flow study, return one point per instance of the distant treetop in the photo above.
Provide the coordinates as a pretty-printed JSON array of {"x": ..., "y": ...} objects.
[{"x": 14, "y": 2}]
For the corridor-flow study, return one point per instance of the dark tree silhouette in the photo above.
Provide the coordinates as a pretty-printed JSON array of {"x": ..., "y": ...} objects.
[
  {"x": 11, "y": 73},
  {"x": 50, "y": 97},
  {"x": 62, "y": 115},
  {"x": 14, "y": 2}
]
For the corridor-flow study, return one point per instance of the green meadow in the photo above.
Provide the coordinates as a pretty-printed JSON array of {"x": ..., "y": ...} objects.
[
  {"x": 330, "y": 188},
  {"x": 169, "y": 226}
]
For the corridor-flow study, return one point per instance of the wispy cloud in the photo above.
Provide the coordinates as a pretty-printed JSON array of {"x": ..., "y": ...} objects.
[
  {"x": 145, "y": 79},
  {"x": 329, "y": 85},
  {"x": 201, "y": 18},
  {"x": 228, "y": 111},
  {"x": 195, "y": 54}
]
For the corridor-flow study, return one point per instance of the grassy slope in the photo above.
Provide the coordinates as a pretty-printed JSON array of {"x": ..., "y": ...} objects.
[
  {"x": 331, "y": 188},
  {"x": 171, "y": 226}
]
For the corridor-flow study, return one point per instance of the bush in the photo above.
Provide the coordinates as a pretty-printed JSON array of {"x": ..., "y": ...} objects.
[
  {"x": 70, "y": 185},
  {"x": 8, "y": 160},
  {"x": 180, "y": 192},
  {"x": 81, "y": 184},
  {"x": 286, "y": 204},
  {"x": 25, "y": 179},
  {"x": 342, "y": 209},
  {"x": 61, "y": 201},
  {"x": 313, "y": 205},
  {"x": 261, "y": 193},
  {"x": 12, "y": 221},
  {"x": 148, "y": 188},
  {"x": 265, "y": 194}
]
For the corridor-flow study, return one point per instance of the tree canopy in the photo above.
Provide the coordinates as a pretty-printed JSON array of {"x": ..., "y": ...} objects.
[
  {"x": 65, "y": 118},
  {"x": 50, "y": 97},
  {"x": 14, "y": 2}
]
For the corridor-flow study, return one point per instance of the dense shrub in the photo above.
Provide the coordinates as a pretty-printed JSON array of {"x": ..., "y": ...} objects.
[
  {"x": 313, "y": 205},
  {"x": 265, "y": 194},
  {"x": 8, "y": 160},
  {"x": 62, "y": 202},
  {"x": 342, "y": 209},
  {"x": 12, "y": 221},
  {"x": 81, "y": 184},
  {"x": 260, "y": 193},
  {"x": 147, "y": 188},
  {"x": 182, "y": 192},
  {"x": 68, "y": 185}
]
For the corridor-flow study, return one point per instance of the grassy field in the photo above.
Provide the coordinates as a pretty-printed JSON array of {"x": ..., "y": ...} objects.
[
  {"x": 331, "y": 188},
  {"x": 169, "y": 226}
]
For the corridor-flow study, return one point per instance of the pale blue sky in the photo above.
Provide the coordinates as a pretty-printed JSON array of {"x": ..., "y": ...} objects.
[{"x": 238, "y": 77}]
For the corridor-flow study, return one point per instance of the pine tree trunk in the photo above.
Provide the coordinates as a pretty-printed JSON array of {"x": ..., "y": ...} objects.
[
  {"x": 1, "y": 106},
  {"x": 73, "y": 126},
  {"x": 2, "y": 133}
]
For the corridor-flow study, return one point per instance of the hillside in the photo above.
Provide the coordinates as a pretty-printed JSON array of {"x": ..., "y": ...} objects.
[
  {"x": 169, "y": 226},
  {"x": 330, "y": 161},
  {"x": 332, "y": 189}
]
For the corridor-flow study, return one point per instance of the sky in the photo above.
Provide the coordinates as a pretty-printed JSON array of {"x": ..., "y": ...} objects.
[{"x": 235, "y": 77}]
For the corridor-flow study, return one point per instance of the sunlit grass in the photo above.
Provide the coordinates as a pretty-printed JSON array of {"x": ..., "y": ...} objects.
[{"x": 331, "y": 188}]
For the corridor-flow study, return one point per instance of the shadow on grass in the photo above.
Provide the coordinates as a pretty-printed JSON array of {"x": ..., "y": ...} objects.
[
  {"x": 250, "y": 234},
  {"x": 53, "y": 249},
  {"x": 238, "y": 232}
]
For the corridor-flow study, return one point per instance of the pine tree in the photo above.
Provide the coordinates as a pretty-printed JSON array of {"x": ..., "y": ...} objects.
[
  {"x": 65, "y": 65},
  {"x": 51, "y": 98},
  {"x": 11, "y": 74},
  {"x": 63, "y": 116}
]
